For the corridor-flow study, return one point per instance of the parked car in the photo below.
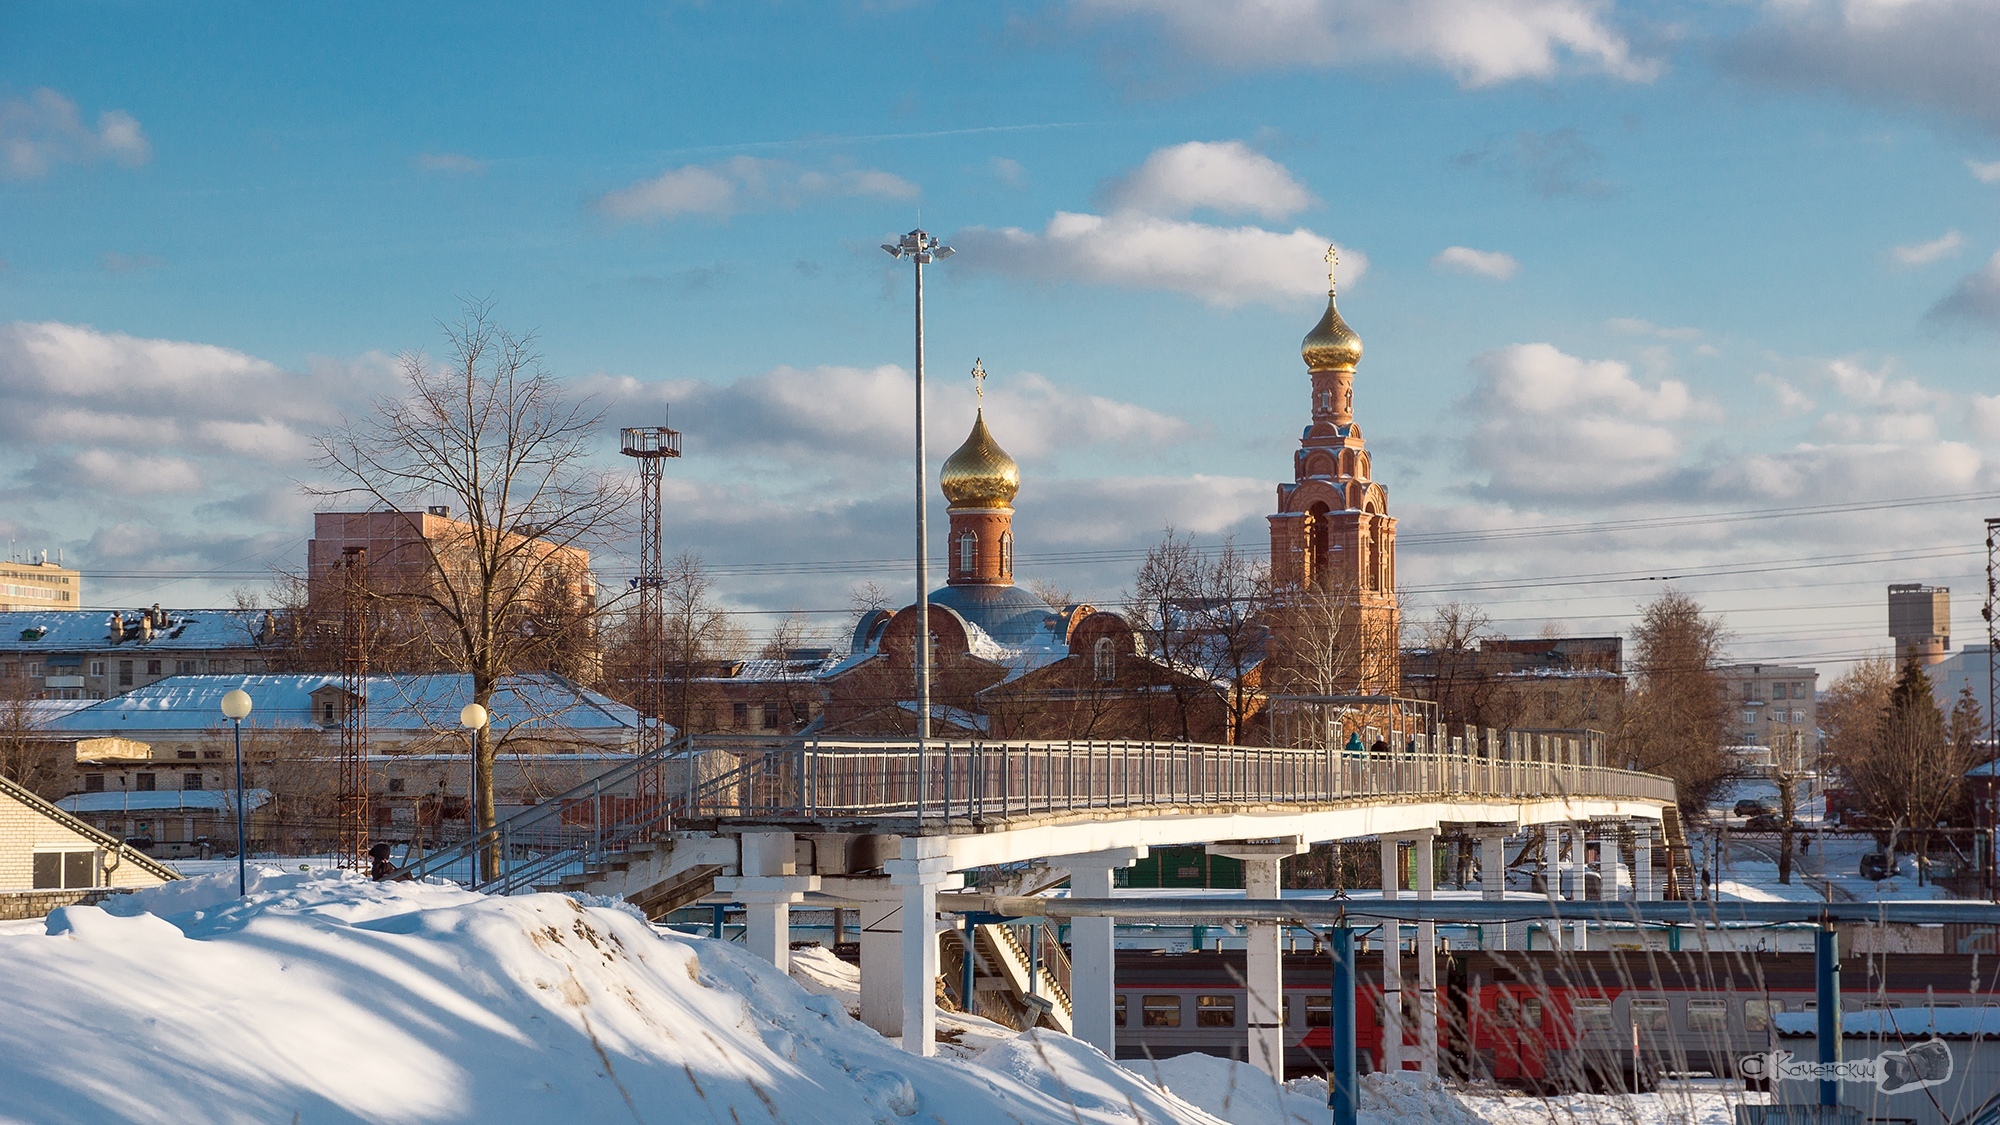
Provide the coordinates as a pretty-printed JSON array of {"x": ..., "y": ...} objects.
[
  {"x": 1751, "y": 806},
  {"x": 1764, "y": 820},
  {"x": 1877, "y": 865}
]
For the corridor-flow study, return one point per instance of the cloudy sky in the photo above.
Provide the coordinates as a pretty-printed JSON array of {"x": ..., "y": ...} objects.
[{"x": 1695, "y": 291}]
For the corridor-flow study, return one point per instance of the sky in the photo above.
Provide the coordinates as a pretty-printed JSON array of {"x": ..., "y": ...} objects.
[{"x": 1693, "y": 293}]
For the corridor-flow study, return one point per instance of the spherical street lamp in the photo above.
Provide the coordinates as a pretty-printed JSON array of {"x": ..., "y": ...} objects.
[
  {"x": 236, "y": 708},
  {"x": 474, "y": 718}
]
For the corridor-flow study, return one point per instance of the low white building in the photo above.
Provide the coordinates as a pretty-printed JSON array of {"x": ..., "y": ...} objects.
[{"x": 50, "y": 858}]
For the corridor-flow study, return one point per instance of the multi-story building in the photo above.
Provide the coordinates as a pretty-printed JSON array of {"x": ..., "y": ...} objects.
[
  {"x": 408, "y": 552},
  {"x": 1525, "y": 682},
  {"x": 1772, "y": 702},
  {"x": 41, "y": 585},
  {"x": 1920, "y": 621},
  {"x": 59, "y": 655}
]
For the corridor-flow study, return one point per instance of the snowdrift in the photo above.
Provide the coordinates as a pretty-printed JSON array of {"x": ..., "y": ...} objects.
[{"x": 326, "y": 998}]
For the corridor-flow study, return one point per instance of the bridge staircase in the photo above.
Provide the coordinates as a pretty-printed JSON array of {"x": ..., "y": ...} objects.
[
  {"x": 1681, "y": 882},
  {"x": 1035, "y": 990}
]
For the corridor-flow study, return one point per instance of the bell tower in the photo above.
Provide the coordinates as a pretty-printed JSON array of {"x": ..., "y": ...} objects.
[
  {"x": 980, "y": 480},
  {"x": 1332, "y": 536}
]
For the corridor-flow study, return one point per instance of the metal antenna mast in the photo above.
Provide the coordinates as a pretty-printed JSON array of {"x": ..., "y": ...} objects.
[
  {"x": 352, "y": 796},
  {"x": 1991, "y": 612},
  {"x": 651, "y": 446},
  {"x": 921, "y": 249}
]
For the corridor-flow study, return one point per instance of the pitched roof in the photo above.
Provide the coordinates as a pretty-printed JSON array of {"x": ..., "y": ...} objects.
[
  {"x": 87, "y": 831},
  {"x": 396, "y": 703},
  {"x": 70, "y": 631}
]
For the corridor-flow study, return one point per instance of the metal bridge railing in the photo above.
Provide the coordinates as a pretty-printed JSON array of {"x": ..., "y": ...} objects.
[{"x": 714, "y": 780}]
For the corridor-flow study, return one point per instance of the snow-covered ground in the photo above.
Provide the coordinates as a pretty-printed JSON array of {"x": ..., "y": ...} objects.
[{"x": 329, "y": 998}]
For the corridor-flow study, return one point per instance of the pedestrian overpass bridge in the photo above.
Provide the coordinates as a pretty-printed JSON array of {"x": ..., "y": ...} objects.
[{"x": 883, "y": 826}]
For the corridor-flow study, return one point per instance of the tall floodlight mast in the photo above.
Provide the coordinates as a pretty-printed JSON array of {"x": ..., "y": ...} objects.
[
  {"x": 650, "y": 446},
  {"x": 1991, "y": 612},
  {"x": 921, "y": 249}
]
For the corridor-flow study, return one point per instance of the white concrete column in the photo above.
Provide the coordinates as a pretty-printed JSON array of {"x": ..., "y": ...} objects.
[
  {"x": 1492, "y": 867},
  {"x": 1642, "y": 863},
  {"x": 1093, "y": 950},
  {"x": 1427, "y": 978},
  {"x": 1552, "y": 866},
  {"x": 878, "y": 907},
  {"x": 1392, "y": 959},
  {"x": 767, "y": 886},
  {"x": 920, "y": 874},
  {"x": 1607, "y": 861},
  {"x": 1263, "y": 959}
]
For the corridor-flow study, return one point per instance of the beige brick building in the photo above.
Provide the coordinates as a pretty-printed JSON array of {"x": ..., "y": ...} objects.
[
  {"x": 39, "y": 585},
  {"x": 49, "y": 858}
]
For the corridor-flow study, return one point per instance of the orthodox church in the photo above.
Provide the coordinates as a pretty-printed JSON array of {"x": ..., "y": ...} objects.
[{"x": 1005, "y": 663}]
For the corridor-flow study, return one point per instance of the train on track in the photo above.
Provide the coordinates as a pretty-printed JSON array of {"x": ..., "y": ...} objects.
[{"x": 1546, "y": 1020}]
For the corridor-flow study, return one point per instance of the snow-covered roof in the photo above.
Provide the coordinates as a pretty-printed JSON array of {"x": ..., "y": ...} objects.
[
  {"x": 1951, "y": 1022},
  {"x": 72, "y": 631},
  {"x": 163, "y": 800},
  {"x": 773, "y": 670},
  {"x": 422, "y": 702}
]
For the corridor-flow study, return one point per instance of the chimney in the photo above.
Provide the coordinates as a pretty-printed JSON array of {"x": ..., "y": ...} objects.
[
  {"x": 114, "y": 629},
  {"x": 145, "y": 627},
  {"x": 159, "y": 616},
  {"x": 442, "y": 511},
  {"x": 270, "y": 627}
]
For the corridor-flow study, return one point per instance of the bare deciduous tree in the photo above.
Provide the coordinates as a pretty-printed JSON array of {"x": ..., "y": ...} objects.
[
  {"x": 1457, "y": 677},
  {"x": 1913, "y": 771},
  {"x": 1678, "y": 717},
  {"x": 491, "y": 431},
  {"x": 1204, "y": 616},
  {"x": 698, "y": 632}
]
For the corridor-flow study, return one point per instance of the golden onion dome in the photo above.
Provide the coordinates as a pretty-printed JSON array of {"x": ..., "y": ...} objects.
[
  {"x": 980, "y": 474},
  {"x": 1331, "y": 345}
]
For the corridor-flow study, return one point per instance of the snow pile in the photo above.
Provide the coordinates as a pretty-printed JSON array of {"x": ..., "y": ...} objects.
[
  {"x": 1238, "y": 1092},
  {"x": 328, "y": 998}
]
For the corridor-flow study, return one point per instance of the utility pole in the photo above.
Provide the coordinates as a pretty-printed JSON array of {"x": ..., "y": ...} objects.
[
  {"x": 351, "y": 796},
  {"x": 921, "y": 249},
  {"x": 650, "y": 446},
  {"x": 1992, "y": 616}
]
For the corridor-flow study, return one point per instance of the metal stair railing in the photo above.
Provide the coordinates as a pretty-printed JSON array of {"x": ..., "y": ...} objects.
[{"x": 581, "y": 827}]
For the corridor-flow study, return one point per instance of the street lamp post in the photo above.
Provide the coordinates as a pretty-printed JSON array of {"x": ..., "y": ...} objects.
[
  {"x": 236, "y": 707},
  {"x": 921, "y": 249},
  {"x": 473, "y": 717}
]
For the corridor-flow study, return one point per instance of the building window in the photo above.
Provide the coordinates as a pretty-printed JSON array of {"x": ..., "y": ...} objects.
[
  {"x": 191, "y": 781},
  {"x": 34, "y": 669},
  {"x": 968, "y": 552},
  {"x": 801, "y": 713},
  {"x": 93, "y": 783},
  {"x": 1106, "y": 659},
  {"x": 185, "y": 667},
  {"x": 1006, "y": 554},
  {"x": 395, "y": 785},
  {"x": 97, "y": 667},
  {"x": 152, "y": 667},
  {"x": 146, "y": 782},
  {"x": 326, "y": 713},
  {"x": 58, "y": 871},
  {"x": 739, "y": 713},
  {"x": 124, "y": 673},
  {"x": 770, "y": 716}
]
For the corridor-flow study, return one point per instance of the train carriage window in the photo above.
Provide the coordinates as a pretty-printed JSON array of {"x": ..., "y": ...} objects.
[
  {"x": 1757, "y": 1013},
  {"x": 1708, "y": 1016},
  {"x": 1285, "y": 1010},
  {"x": 1651, "y": 1015},
  {"x": 1530, "y": 1012},
  {"x": 1319, "y": 1011},
  {"x": 1118, "y": 1012},
  {"x": 1162, "y": 1011},
  {"x": 1215, "y": 1011},
  {"x": 1592, "y": 1014}
]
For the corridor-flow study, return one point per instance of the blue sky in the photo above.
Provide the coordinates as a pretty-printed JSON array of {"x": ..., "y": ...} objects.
[{"x": 1610, "y": 262}]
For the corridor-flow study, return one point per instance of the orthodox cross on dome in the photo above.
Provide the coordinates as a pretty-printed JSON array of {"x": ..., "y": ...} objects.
[
  {"x": 1332, "y": 260},
  {"x": 979, "y": 380}
]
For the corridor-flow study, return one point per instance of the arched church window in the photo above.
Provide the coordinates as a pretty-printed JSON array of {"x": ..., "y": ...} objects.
[
  {"x": 1106, "y": 660},
  {"x": 968, "y": 552},
  {"x": 1316, "y": 544},
  {"x": 1006, "y": 554}
]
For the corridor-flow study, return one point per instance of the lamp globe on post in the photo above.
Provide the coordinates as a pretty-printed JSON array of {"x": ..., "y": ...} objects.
[
  {"x": 474, "y": 718},
  {"x": 236, "y": 708}
]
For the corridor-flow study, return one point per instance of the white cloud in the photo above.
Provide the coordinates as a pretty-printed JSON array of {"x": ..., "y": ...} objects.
[
  {"x": 1924, "y": 253},
  {"x": 745, "y": 183},
  {"x": 1987, "y": 172},
  {"x": 1481, "y": 42},
  {"x": 1975, "y": 299},
  {"x": 1633, "y": 326},
  {"x": 1932, "y": 53},
  {"x": 45, "y": 129},
  {"x": 1791, "y": 400},
  {"x": 1228, "y": 177},
  {"x": 1986, "y": 416},
  {"x": 134, "y": 475},
  {"x": 1551, "y": 423},
  {"x": 1224, "y": 266},
  {"x": 1495, "y": 264},
  {"x": 1007, "y": 171},
  {"x": 454, "y": 162}
]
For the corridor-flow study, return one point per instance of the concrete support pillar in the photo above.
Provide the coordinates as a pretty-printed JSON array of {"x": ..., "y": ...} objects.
[
  {"x": 919, "y": 876},
  {"x": 1392, "y": 959},
  {"x": 882, "y": 965},
  {"x": 767, "y": 887},
  {"x": 1263, "y": 960},
  {"x": 1492, "y": 867},
  {"x": 1093, "y": 952},
  {"x": 1427, "y": 982},
  {"x": 1552, "y": 867},
  {"x": 1607, "y": 860},
  {"x": 1642, "y": 863}
]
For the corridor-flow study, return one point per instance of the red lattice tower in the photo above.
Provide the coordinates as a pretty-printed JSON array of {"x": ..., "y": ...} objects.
[
  {"x": 351, "y": 796},
  {"x": 651, "y": 446}
]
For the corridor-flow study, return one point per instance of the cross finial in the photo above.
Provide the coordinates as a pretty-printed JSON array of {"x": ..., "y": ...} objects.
[
  {"x": 1332, "y": 260},
  {"x": 979, "y": 380}
]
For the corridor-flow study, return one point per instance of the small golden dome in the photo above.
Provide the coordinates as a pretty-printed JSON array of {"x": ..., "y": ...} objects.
[
  {"x": 980, "y": 474},
  {"x": 1331, "y": 345}
]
